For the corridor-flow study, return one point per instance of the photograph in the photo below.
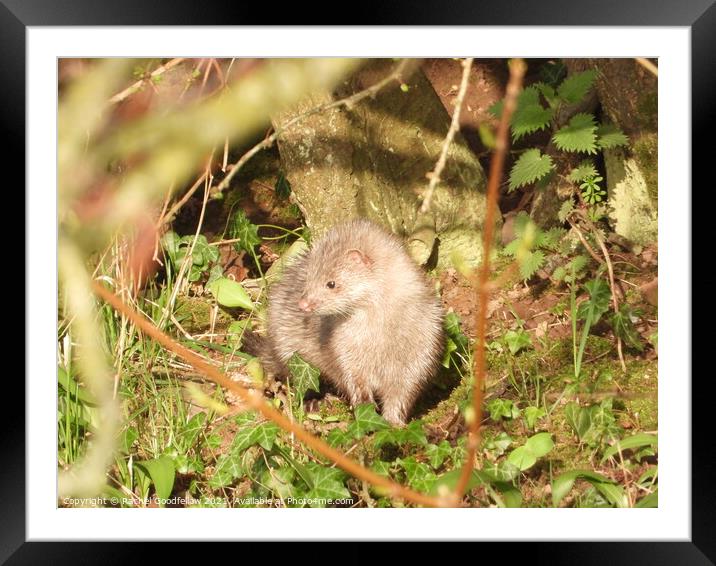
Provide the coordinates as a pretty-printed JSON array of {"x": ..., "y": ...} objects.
[{"x": 337, "y": 282}]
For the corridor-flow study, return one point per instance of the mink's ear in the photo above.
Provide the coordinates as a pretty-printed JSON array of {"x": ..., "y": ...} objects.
[{"x": 357, "y": 257}]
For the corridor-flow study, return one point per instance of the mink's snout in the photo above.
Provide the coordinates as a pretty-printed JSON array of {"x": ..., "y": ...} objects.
[{"x": 306, "y": 305}]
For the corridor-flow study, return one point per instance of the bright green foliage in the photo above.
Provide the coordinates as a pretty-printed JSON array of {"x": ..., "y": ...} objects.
[
  {"x": 592, "y": 193},
  {"x": 437, "y": 453},
  {"x": 530, "y": 167},
  {"x": 502, "y": 408},
  {"x": 203, "y": 255},
  {"x": 303, "y": 377},
  {"x": 632, "y": 443},
  {"x": 610, "y": 136},
  {"x": 594, "y": 425},
  {"x": 230, "y": 294},
  {"x": 579, "y": 135},
  {"x": 282, "y": 187},
  {"x": 517, "y": 340},
  {"x": 532, "y": 414},
  {"x": 576, "y": 86},
  {"x": 245, "y": 231},
  {"x": 419, "y": 475},
  {"x": 570, "y": 272},
  {"x": 498, "y": 444},
  {"x": 162, "y": 472},
  {"x": 524, "y": 457},
  {"x": 583, "y": 171},
  {"x": 565, "y": 210},
  {"x": 598, "y": 303},
  {"x": 612, "y": 492},
  {"x": 623, "y": 326},
  {"x": 529, "y": 242},
  {"x": 529, "y": 116},
  {"x": 367, "y": 420}
]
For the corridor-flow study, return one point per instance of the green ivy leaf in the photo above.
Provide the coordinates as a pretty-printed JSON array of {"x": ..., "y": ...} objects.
[
  {"x": 530, "y": 167},
  {"x": 579, "y": 135},
  {"x": 367, "y": 420},
  {"x": 576, "y": 86},
  {"x": 245, "y": 232},
  {"x": 437, "y": 453},
  {"x": 419, "y": 474},
  {"x": 624, "y": 327},
  {"x": 304, "y": 377}
]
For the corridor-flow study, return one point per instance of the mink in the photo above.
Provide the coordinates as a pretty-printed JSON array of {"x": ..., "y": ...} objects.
[{"x": 358, "y": 308}]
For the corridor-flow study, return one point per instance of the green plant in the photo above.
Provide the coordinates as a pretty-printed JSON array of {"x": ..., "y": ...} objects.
[
  {"x": 590, "y": 311},
  {"x": 202, "y": 254},
  {"x": 538, "y": 108},
  {"x": 530, "y": 243}
]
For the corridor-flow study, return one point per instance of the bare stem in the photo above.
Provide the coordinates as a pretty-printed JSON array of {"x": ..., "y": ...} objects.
[
  {"x": 454, "y": 127},
  {"x": 517, "y": 71}
]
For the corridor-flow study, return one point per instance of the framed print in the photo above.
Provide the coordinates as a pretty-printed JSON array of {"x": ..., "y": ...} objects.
[{"x": 271, "y": 306}]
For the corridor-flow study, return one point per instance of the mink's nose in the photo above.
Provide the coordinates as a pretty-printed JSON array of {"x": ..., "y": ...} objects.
[{"x": 305, "y": 305}]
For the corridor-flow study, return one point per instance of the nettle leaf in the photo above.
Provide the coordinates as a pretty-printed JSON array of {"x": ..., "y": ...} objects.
[
  {"x": 530, "y": 118},
  {"x": 576, "y": 86},
  {"x": 583, "y": 171},
  {"x": 530, "y": 167},
  {"x": 530, "y": 263},
  {"x": 579, "y": 135},
  {"x": 565, "y": 210},
  {"x": 547, "y": 91},
  {"x": 611, "y": 136},
  {"x": 549, "y": 239},
  {"x": 517, "y": 340}
]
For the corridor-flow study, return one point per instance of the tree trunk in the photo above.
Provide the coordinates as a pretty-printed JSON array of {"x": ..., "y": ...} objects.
[
  {"x": 628, "y": 95},
  {"x": 371, "y": 161}
]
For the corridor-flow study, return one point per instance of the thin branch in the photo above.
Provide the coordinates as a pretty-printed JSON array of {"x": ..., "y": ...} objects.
[
  {"x": 434, "y": 176},
  {"x": 130, "y": 90},
  {"x": 648, "y": 65},
  {"x": 255, "y": 400},
  {"x": 517, "y": 71},
  {"x": 348, "y": 102}
]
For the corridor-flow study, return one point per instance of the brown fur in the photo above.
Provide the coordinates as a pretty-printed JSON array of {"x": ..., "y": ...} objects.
[{"x": 377, "y": 334}]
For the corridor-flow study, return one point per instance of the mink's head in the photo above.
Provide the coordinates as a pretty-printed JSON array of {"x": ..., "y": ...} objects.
[{"x": 339, "y": 280}]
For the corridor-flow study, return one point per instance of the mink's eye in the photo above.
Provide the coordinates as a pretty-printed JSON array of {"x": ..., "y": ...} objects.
[{"x": 331, "y": 284}]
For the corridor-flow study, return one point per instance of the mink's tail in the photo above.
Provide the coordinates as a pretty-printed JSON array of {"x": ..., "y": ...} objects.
[{"x": 260, "y": 346}]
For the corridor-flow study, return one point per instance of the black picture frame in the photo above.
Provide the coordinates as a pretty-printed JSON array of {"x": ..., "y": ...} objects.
[{"x": 699, "y": 15}]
